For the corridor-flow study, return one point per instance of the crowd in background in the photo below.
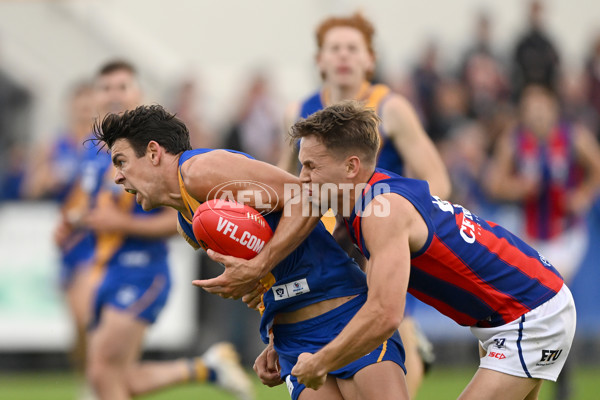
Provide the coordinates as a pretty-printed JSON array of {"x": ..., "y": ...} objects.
[{"x": 466, "y": 110}]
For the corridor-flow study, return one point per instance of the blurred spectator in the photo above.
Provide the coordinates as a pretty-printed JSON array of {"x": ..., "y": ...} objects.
[
  {"x": 450, "y": 109},
  {"x": 185, "y": 106},
  {"x": 15, "y": 114},
  {"x": 465, "y": 156},
  {"x": 257, "y": 126},
  {"x": 552, "y": 168},
  {"x": 426, "y": 77},
  {"x": 55, "y": 167},
  {"x": 592, "y": 70},
  {"x": 535, "y": 58},
  {"x": 482, "y": 74},
  {"x": 576, "y": 106}
]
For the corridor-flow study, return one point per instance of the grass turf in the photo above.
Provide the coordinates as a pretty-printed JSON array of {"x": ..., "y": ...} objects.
[{"x": 442, "y": 383}]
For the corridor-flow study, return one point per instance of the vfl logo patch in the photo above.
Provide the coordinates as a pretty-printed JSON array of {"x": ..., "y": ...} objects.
[
  {"x": 291, "y": 289},
  {"x": 499, "y": 343}
]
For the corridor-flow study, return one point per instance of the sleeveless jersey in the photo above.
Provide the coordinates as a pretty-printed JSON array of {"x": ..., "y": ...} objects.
[
  {"x": 374, "y": 97},
  {"x": 317, "y": 270},
  {"x": 552, "y": 163},
  {"x": 471, "y": 270}
]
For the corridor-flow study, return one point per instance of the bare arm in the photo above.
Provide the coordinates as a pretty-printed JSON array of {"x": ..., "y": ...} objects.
[
  {"x": 112, "y": 219},
  {"x": 422, "y": 159},
  {"x": 502, "y": 182},
  {"x": 282, "y": 193},
  {"x": 387, "y": 239}
]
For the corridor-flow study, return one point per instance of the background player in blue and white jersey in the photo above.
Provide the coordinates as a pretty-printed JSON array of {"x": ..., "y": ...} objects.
[
  {"x": 471, "y": 270},
  {"x": 346, "y": 62},
  {"x": 151, "y": 151}
]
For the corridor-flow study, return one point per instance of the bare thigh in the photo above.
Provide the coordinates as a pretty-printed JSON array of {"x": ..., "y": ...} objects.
[
  {"x": 329, "y": 391},
  {"x": 488, "y": 384},
  {"x": 118, "y": 338},
  {"x": 382, "y": 381}
]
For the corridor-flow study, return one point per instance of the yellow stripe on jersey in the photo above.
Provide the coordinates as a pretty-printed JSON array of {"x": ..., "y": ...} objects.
[
  {"x": 376, "y": 94},
  {"x": 383, "y": 350},
  {"x": 107, "y": 244},
  {"x": 370, "y": 95},
  {"x": 190, "y": 203},
  {"x": 328, "y": 219}
]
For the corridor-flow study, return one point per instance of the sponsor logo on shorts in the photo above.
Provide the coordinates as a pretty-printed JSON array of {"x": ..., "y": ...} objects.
[
  {"x": 127, "y": 295},
  {"x": 498, "y": 355},
  {"x": 549, "y": 357},
  {"x": 291, "y": 289}
]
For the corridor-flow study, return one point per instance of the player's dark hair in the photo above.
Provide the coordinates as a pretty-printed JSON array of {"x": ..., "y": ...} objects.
[
  {"x": 343, "y": 128},
  {"x": 142, "y": 125},
  {"x": 116, "y": 65}
]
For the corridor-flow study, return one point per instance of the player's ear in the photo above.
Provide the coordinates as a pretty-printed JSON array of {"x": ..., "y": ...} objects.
[
  {"x": 352, "y": 166},
  {"x": 154, "y": 152}
]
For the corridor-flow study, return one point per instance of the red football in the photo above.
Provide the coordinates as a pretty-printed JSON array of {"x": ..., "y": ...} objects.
[{"x": 231, "y": 228}]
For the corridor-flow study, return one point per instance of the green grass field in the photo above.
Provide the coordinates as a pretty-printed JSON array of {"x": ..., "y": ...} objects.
[{"x": 439, "y": 385}]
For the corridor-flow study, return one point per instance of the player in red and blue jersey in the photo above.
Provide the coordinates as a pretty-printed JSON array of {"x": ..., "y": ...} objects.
[
  {"x": 551, "y": 167},
  {"x": 329, "y": 286},
  {"x": 346, "y": 61},
  {"x": 471, "y": 270}
]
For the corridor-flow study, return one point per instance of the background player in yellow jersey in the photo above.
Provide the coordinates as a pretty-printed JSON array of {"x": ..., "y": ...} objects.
[
  {"x": 132, "y": 275},
  {"x": 346, "y": 62}
]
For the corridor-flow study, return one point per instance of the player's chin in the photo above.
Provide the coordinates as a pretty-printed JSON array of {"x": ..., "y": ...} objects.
[{"x": 145, "y": 204}]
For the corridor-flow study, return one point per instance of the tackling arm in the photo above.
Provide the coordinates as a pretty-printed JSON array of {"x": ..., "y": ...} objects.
[
  {"x": 387, "y": 238},
  {"x": 283, "y": 190}
]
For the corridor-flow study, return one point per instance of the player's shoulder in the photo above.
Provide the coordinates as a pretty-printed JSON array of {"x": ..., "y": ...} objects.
[
  {"x": 203, "y": 162},
  {"x": 391, "y": 210},
  {"x": 397, "y": 104}
]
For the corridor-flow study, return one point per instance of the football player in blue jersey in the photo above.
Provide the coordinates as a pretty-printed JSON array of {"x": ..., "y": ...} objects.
[
  {"x": 130, "y": 267},
  {"x": 471, "y": 270},
  {"x": 308, "y": 297}
]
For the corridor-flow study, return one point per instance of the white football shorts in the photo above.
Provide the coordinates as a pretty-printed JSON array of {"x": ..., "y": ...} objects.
[{"x": 535, "y": 345}]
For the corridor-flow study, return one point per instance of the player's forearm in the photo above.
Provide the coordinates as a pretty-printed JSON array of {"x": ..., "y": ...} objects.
[
  {"x": 439, "y": 184},
  {"x": 151, "y": 226},
  {"x": 370, "y": 327},
  {"x": 292, "y": 229}
]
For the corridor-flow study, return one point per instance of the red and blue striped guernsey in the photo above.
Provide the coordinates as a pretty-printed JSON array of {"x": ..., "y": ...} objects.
[{"x": 471, "y": 270}]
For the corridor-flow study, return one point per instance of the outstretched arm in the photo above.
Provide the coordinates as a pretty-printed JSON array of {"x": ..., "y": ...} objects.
[{"x": 387, "y": 238}]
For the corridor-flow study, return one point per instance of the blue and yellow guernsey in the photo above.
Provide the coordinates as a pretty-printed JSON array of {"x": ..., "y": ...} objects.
[
  {"x": 373, "y": 96},
  {"x": 317, "y": 270}
]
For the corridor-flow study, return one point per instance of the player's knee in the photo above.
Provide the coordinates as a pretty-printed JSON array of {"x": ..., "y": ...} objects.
[
  {"x": 102, "y": 368},
  {"x": 97, "y": 373}
]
